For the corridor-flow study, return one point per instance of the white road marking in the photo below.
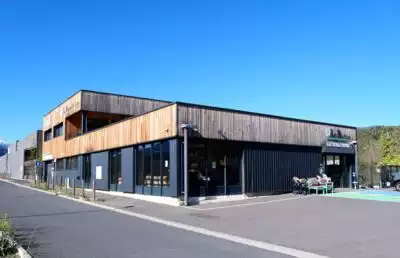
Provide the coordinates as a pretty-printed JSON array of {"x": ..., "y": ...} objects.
[
  {"x": 248, "y": 204},
  {"x": 220, "y": 235}
]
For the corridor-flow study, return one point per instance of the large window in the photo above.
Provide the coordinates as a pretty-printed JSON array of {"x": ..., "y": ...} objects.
[
  {"x": 60, "y": 164},
  {"x": 139, "y": 166},
  {"x": 47, "y": 135},
  {"x": 87, "y": 165},
  {"x": 147, "y": 166},
  {"x": 58, "y": 130},
  {"x": 156, "y": 164},
  {"x": 71, "y": 163},
  {"x": 165, "y": 164},
  {"x": 115, "y": 168},
  {"x": 152, "y": 164}
]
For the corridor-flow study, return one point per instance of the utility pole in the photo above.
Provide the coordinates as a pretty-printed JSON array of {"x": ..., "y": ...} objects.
[
  {"x": 7, "y": 162},
  {"x": 185, "y": 162},
  {"x": 185, "y": 128}
]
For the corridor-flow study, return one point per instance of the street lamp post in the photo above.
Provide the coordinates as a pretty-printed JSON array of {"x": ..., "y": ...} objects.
[
  {"x": 185, "y": 128},
  {"x": 355, "y": 177}
]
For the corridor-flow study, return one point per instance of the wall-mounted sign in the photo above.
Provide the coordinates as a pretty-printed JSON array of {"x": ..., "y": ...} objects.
[
  {"x": 338, "y": 144},
  {"x": 99, "y": 172},
  {"x": 336, "y": 135},
  {"x": 47, "y": 156},
  {"x": 69, "y": 108}
]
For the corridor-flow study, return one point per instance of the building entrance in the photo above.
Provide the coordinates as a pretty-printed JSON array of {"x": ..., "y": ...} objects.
[
  {"x": 214, "y": 168},
  {"x": 338, "y": 168}
]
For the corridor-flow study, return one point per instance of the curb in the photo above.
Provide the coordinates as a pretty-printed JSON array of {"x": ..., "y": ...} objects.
[
  {"x": 22, "y": 252},
  {"x": 170, "y": 201}
]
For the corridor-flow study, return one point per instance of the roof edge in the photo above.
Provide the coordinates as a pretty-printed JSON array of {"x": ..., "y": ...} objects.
[
  {"x": 106, "y": 93},
  {"x": 265, "y": 115}
]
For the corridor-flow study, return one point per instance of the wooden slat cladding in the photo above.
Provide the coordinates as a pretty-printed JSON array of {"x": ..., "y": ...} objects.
[
  {"x": 69, "y": 107},
  {"x": 152, "y": 126},
  {"x": 231, "y": 125},
  {"x": 54, "y": 146},
  {"x": 117, "y": 104}
]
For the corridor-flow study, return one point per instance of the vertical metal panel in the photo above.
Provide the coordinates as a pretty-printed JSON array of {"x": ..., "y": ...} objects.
[
  {"x": 270, "y": 168},
  {"x": 127, "y": 169},
  {"x": 100, "y": 159},
  {"x": 173, "y": 189}
]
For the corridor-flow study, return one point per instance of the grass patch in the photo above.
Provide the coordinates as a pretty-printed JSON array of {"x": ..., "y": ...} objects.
[
  {"x": 6, "y": 225},
  {"x": 41, "y": 186},
  {"x": 8, "y": 246}
]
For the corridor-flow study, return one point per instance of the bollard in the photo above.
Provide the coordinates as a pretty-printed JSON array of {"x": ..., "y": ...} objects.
[
  {"x": 53, "y": 186},
  {"x": 35, "y": 176},
  {"x": 83, "y": 189},
  {"x": 73, "y": 186},
  {"x": 60, "y": 185},
  {"x": 66, "y": 184},
  {"x": 94, "y": 190}
]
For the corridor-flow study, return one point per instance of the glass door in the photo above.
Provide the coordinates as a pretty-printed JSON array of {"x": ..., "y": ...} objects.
[
  {"x": 86, "y": 172},
  {"x": 115, "y": 178},
  {"x": 213, "y": 168},
  {"x": 197, "y": 168}
]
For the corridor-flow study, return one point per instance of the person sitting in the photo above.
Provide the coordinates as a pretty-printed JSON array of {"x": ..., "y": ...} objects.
[{"x": 194, "y": 169}]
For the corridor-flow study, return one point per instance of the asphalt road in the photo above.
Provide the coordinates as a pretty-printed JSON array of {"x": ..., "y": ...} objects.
[{"x": 49, "y": 226}]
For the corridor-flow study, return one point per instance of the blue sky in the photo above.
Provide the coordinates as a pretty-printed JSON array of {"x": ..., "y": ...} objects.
[{"x": 333, "y": 61}]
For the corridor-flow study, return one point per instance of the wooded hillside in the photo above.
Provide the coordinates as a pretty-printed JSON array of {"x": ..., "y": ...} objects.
[{"x": 377, "y": 146}]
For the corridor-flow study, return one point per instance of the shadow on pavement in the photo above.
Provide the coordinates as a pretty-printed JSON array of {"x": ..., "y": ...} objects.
[{"x": 55, "y": 214}]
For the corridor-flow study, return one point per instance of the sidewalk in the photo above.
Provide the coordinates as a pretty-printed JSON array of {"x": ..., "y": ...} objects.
[{"x": 116, "y": 200}]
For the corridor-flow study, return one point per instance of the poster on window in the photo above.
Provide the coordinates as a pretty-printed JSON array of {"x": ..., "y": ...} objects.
[{"x": 99, "y": 172}]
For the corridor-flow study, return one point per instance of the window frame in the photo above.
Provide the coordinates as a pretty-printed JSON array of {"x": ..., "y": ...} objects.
[
  {"x": 139, "y": 159},
  {"x": 60, "y": 161},
  {"x": 48, "y": 135},
  {"x": 58, "y": 130},
  {"x": 115, "y": 161},
  {"x": 165, "y": 170},
  {"x": 68, "y": 162},
  {"x": 155, "y": 170}
]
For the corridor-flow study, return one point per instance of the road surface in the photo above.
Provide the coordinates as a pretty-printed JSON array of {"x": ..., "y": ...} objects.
[{"x": 50, "y": 226}]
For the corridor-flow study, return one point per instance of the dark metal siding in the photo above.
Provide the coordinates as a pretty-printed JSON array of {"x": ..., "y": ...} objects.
[
  {"x": 128, "y": 179},
  {"x": 173, "y": 189},
  {"x": 100, "y": 159},
  {"x": 270, "y": 168}
]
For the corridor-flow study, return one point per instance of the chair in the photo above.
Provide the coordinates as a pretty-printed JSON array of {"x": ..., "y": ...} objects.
[
  {"x": 313, "y": 184},
  {"x": 327, "y": 183}
]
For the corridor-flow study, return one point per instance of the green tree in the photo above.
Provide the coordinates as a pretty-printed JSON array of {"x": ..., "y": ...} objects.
[{"x": 389, "y": 150}]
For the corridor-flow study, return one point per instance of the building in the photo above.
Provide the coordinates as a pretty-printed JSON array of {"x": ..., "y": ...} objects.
[
  {"x": 19, "y": 162},
  {"x": 3, "y": 148},
  {"x": 136, "y": 145}
]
